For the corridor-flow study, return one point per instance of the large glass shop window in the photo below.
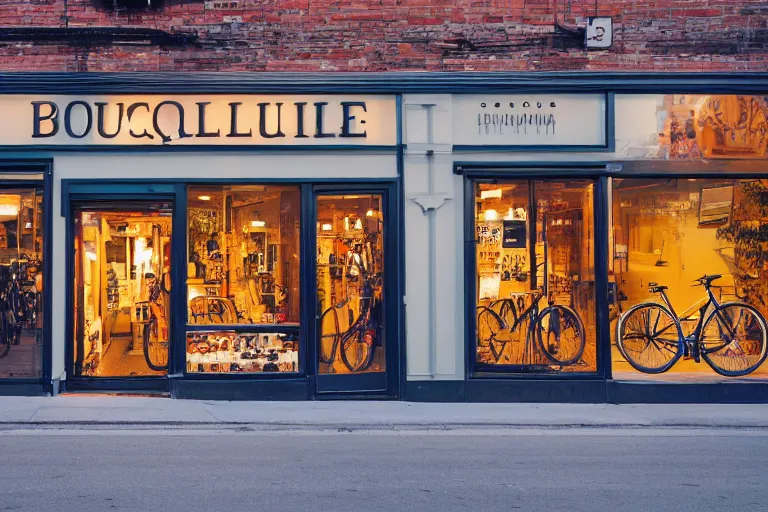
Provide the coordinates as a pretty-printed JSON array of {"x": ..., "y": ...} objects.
[
  {"x": 535, "y": 276},
  {"x": 689, "y": 278},
  {"x": 122, "y": 289},
  {"x": 21, "y": 282},
  {"x": 243, "y": 269}
]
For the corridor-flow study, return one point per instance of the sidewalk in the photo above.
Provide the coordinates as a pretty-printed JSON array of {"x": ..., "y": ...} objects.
[{"x": 105, "y": 410}]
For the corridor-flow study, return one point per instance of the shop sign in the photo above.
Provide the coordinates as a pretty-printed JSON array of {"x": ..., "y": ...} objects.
[
  {"x": 530, "y": 120},
  {"x": 198, "y": 120}
]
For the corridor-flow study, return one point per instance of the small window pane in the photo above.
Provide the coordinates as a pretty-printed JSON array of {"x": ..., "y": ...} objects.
[
  {"x": 231, "y": 352},
  {"x": 243, "y": 255}
]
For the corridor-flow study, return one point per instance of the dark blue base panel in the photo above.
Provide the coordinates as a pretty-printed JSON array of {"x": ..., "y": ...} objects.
[
  {"x": 10, "y": 388},
  {"x": 627, "y": 392},
  {"x": 273, "y": 390}
]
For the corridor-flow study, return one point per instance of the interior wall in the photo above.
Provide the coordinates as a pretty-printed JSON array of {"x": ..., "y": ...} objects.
[{"x": 354, "y": 165}]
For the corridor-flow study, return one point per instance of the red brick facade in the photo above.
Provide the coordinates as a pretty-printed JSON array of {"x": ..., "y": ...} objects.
[{"x": 394, "y": 35}]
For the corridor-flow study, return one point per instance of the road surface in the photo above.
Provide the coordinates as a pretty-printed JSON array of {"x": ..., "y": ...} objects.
[{"x": 549, "y": 470}]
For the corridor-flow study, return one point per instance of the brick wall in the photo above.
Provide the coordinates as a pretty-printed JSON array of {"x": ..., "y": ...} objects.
[{"x": 377, "y": 35}]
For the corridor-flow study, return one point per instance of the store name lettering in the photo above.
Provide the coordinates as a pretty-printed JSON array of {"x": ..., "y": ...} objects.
[
  {"x": 49, "y": 118},
  {"x": 526, "y": 118}
]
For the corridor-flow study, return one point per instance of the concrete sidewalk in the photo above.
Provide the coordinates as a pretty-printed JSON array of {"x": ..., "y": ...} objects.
[{"x": 105, "y": 410}]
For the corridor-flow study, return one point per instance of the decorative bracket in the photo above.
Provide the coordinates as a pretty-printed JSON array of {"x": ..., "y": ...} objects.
[{"x": 430, "y": 202}]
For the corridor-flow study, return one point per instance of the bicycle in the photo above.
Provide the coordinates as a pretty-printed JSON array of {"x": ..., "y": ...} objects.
[
  {"x": 18, "y": 309},
  {"x": 651, "y": 339},
  {"x": 155, "y": 338},
  {"x": 557, "y": 330},
  {"x": 355, "y": 344}
]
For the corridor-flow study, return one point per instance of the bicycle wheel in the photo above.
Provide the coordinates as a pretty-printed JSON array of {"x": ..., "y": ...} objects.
[
  {"x": 155, "y": 349},
  {"x": 357, "y": 349},
  {"x": 329, "y": 335},
  {"x": 733, "y": 339},
  {"x": 560, "y": 334},
  {"x": 489, "y": 327},
  {"x": 649, "y": 338}
]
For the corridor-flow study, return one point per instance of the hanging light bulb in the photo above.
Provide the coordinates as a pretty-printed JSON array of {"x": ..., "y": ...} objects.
[
  {"x": 490, "y": 215},
  {"x": 369, "y": 213},
  {"x": 358, "y": 224}
]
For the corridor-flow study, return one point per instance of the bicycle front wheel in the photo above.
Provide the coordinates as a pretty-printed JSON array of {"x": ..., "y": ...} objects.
[
  {"x": 560, "y": 334},
  {"x": 357, "y": 350},
  {"x": 155, "y": 348},
  {"x": 650, "y": 338},
  {"x": 733, "y": 339},
  {"x": 329, "y": 335},
  {"x": 490, "y": 327}
]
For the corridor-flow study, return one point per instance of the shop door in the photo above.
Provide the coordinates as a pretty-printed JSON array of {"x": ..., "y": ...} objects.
[
  {"x": 122, "y": 292},
  {"x": 353, "y": 350}
]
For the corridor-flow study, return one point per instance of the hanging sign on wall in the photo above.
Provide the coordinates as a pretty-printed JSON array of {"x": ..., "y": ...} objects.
[
  {"x": 243, "y": 120},
  {"x": 530, "y": 120}
]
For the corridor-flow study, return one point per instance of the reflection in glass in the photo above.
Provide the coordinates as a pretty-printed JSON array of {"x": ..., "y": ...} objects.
[
  {"x": 122, "y": 290},
  {"x": 535, "y": 276},
  {"x": 21, "y": 282},
  {"x": 350, "y": 270},
  {"x": 231, "y": 352},
  {"x": 668, "y": 235},
  {"x": 243, "y": 254}
]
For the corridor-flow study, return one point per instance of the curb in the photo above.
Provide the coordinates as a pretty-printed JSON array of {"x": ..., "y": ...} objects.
[{"x": 342, "y": 427}]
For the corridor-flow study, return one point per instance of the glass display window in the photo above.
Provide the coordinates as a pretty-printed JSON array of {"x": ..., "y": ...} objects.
[
  {"x": 688, "y": 271},
  {"x": 535, "y": 276},
  {"x": 243, "y": 269},
  {"x": 21, "y": 282}
]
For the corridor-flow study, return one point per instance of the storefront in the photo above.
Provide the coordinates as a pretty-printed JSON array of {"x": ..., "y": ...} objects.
[
  {"x": 240, "y": 246},
  {"x": 607, "y": 244},
  {"x": 460, "y": 237}
]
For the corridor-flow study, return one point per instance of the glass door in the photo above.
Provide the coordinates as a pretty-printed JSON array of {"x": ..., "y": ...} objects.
[
  {"x": 122, "y": 289},
  {"x": 350, "y": 313}
]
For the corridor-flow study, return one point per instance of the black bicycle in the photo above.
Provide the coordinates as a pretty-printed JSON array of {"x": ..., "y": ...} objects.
[
  {"x": 557, "y": 330},
  {"x": 356, "y": 344},
  {"x": 18, "y": 309},
  {"x": 730, "y": 337}
]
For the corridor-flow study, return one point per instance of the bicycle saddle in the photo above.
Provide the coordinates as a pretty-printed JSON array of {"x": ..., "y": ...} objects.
[
  {"x": 707, "y": 280},
  {"x": 656, "y": 288}
]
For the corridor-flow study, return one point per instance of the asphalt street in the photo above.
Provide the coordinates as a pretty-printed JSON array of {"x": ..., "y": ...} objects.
[{"x": 549, "y": 470}]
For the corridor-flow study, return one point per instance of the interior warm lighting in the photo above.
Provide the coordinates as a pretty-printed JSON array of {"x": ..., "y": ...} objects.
[
  {"x": 141, "y": 253},
  {"x": 9, "y": 210},
  {"x": 327, "y": 227},
  {"x": 358, "y": 224},
  {"x": 488, "y": 194},
  {"x": 258, "y": 223},
  {"x": 369, "y": 213},
  {"x": 28, "y": 225},
  {"x": 204, "y": 198},
  {"x": 490, "y": 215}
]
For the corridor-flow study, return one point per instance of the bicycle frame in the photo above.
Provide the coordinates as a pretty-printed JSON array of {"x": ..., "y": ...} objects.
[{"x": 692, "y": 342}]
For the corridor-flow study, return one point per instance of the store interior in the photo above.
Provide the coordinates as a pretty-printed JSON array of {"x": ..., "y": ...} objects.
[
  {"x": 243, "y": 269},
  {"x": 122, "y": 290},
  {"x": 21, "y": 282},
  {"x": 673, "y": 231},
  {"x": 535, "y": 244},
  {"x": 350, "y": 271}
]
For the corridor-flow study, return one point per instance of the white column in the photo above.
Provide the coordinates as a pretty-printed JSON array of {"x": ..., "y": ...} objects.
[{"x": 434, "y": 261}]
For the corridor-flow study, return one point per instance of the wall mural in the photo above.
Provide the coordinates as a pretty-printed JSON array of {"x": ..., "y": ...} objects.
[{"x": 718, "y": 126}]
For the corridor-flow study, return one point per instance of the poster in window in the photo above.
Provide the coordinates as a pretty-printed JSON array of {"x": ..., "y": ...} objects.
[{"x": 514, "y": 234}]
